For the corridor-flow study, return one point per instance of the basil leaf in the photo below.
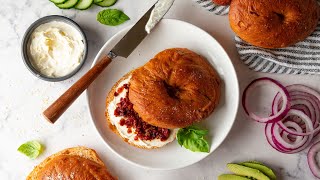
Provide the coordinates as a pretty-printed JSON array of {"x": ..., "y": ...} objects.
[
  {"x": 112, "y": 17},
  {"x": 181, "y": 136},
  {"x": 200, "y": 132},
  {"x": 32, "y": 149},
  {"x": 192, "y": 138}
]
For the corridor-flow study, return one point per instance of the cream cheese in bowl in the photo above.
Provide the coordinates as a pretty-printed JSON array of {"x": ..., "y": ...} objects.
[{"x": 56, "y": 49}]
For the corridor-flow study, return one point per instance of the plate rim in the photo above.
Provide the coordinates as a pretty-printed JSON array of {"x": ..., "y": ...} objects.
[{"x": 157, "y": 168}]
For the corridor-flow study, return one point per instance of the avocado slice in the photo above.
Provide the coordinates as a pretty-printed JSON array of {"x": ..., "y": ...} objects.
[
  {"x": 246, "y": 171},
  {"x": 256, "y": 162},
  {"x": 259, "y": 166},
  {"x": 231, "y": 177}
]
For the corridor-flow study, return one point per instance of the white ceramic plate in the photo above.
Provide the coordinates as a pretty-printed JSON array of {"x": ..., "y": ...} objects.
[{"x": 168, "y": 34}]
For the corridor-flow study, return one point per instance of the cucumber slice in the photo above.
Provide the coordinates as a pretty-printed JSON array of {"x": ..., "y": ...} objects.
[
  {"x": 58, "y": 1},
  {"x": 68, "y": 4},
  {"x": 106, "y": 3},
  {"x": 97, "y": 1},
  {"x": 83, "y": 4}
]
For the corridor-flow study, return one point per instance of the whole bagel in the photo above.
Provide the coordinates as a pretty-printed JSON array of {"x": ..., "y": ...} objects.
[
  {"x": 175, "y": 89},
  {"x": 273, "y": 23}
]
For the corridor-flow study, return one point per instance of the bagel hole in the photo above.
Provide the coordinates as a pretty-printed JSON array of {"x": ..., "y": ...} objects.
[
  {"x": 172, "y": 91},
  {"x": 280, "y": 16}
]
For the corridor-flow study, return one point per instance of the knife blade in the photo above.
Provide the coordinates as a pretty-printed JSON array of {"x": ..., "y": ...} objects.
[
  {"x": 132, "y": 39},
  {"x": 160, "y": 9}
]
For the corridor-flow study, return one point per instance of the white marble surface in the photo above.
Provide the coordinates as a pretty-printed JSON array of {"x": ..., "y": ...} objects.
[{"x": 23, "y": 97}]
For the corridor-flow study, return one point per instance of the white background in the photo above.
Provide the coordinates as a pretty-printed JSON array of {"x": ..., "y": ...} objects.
[{"x": 23, "y": 97}]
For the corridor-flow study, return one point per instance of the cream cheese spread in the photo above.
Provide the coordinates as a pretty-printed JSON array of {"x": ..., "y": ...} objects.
[
  {"x": 123, "y": 130},
  {"x": 56, "y": 49},
  {"x": 160, "y": 9}
]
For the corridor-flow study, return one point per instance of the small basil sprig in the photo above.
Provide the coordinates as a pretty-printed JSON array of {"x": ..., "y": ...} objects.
[
  {"x": 32, "y": 149},
  {"x": 192, "y": 138},
  {"x": 112, "y": 17}
]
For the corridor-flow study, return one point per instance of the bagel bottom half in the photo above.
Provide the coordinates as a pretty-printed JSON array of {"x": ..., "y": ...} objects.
[{"x": 155, "y": 143}]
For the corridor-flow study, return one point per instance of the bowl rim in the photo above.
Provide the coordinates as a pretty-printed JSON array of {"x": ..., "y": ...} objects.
[{"x": 25, "y": 41}]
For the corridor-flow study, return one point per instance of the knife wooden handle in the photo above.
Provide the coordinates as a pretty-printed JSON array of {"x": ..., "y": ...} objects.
[{"x": 55, "y": 110}]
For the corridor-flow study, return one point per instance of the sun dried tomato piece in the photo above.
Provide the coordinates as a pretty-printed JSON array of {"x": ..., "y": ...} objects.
[{"x": 131, "y": 119}]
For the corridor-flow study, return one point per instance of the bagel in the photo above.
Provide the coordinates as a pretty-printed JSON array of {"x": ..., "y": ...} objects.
[
  {"x": 175, "y": 89},
  {"x": 273, "y": 23},
  {"x": 76, "y": 163}
]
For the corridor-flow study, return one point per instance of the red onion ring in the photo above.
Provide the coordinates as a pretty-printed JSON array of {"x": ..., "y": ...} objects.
[
  {"x": 307, "y": 91},
  {"x": 275, "y": 117},
  {"x": 313, "y": 164},
  {"x": 282, "y": 144},
  {"x": 295, "y": 119},
  {"x": 267, "y": 130},
  {"x": 293, "y": 125},
  {"x": 299, "y": 101},
  {"x": 299, "y": 98},
  {"x": 309, "y": 124}
]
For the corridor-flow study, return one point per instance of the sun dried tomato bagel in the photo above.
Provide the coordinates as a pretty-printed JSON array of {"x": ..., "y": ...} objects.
[
  {"x": 175, "y": 89},
  {"x": 273, "y": 23}
]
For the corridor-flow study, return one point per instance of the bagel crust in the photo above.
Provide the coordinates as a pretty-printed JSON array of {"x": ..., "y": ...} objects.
[
  {"x": 175, "y": 89},
  {"x": 273, "y": 23},
  {"x": 77, "y": 163}
]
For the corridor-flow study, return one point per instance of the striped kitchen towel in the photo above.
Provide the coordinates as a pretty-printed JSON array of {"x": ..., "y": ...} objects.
[{"x": 301, "y": 58}]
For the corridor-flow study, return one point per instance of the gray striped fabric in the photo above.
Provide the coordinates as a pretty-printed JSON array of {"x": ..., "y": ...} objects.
[
  {"x": 210, "y": 6},
  {"x": 301, "y": 58}
]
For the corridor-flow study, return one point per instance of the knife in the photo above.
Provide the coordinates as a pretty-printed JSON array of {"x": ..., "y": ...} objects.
[{"x": 124, "y": 48}]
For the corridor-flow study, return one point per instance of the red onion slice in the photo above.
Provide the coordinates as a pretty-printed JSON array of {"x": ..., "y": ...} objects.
[
  {"x": 302, "y": 100},
  {"x": 305, "y": 103},
  {"x": 286, "y": 135},
  {"x": 309, "y": 124},
  {"x": 267, "y": 130},
  {"x": 315, "y": 104},
  {"x": 295, "y": 118},
  {"x": 281, "y": 143},
  {"x": 275, "y": 117},
  {"x": 313, "y": 164},
  {"x": 307, "y": 91}
]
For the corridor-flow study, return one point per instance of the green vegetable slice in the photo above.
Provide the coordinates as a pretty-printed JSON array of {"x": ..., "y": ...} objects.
[
  {"x": 97, "y": 1},
  {"x": 83, "y": 4},
  {"x": 232, "y": 177},
  {"x": 68, "y": 4},
  {"x": 32, "y": 149},
  {"x": 259, "y": 166},
  {"x": 192, "y": 138},
  {"x": 58, "y": 1},
  {"x": 106, "y": 3},
  {"x": 246, "y": 171},
  {"x": 112, "y": 17}
]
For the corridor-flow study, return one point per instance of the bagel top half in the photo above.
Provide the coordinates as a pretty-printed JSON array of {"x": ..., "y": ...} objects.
[{"x": 175, "y": 89}]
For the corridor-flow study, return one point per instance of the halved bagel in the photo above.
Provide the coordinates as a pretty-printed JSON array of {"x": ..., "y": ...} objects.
[
  {"x": 175, "y": 89},
  {"x": 76, "y": 163}
]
